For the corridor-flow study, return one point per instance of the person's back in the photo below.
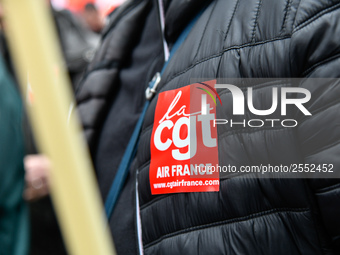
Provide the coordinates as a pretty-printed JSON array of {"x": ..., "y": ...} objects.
[
  {"x": 13, "y": 211},
  {"x": 231, "y": 39}
]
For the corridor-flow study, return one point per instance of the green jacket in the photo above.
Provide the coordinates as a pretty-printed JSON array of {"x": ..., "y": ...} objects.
[{"x": 13, "y": 211}]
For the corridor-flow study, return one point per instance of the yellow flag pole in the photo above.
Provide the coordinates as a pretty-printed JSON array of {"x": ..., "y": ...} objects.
[{"x": 33, "y": 43}]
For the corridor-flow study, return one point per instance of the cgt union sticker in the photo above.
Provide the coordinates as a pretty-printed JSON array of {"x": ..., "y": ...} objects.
[{"x": 184, "y": 140}]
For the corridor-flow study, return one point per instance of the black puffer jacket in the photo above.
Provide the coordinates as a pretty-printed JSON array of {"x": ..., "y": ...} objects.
[{"x": 231, "y": 39}]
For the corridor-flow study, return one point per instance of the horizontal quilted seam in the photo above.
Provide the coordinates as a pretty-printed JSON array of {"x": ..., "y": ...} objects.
[
  {"x": 145, "y": 164},
  {"x": 229, "y": 221},
  {"x": 328, "y": 146},
  {"x": 327, "y": 189},
  {"x": 321, "y": 109},
  {"x": 315, "y": 17},
  {"x": 155, "y": 200},
  {"x": 145, "y": 130},
  {"x": 91, "y": 97},
  {"x": 324, "y": 61},
  {"x": 336, "y": 238}
]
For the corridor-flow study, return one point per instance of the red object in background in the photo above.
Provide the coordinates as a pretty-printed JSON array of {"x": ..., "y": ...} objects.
[
  {"x": 105, "y": 7},
  {"x": 110, "y": 9},
  {"x": 78, "y": 5}
]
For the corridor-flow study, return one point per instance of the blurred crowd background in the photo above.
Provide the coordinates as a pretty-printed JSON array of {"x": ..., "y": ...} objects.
[
  {"x": 77, "y": 6},
  {"x": 79, "y": 24}
]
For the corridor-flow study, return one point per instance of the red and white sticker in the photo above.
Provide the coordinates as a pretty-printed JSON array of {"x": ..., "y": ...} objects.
[{"x": 184, "y": 141}]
